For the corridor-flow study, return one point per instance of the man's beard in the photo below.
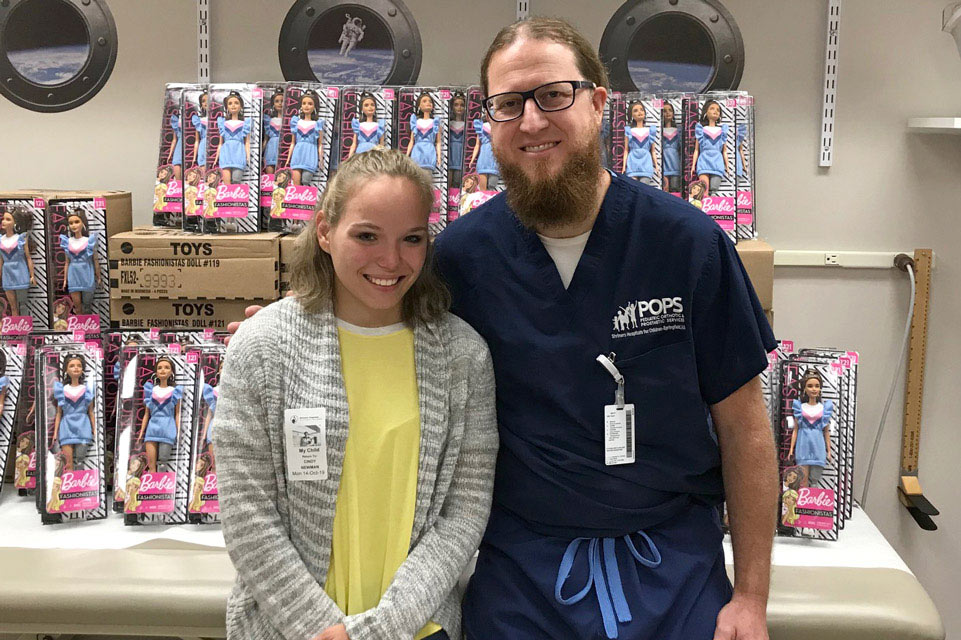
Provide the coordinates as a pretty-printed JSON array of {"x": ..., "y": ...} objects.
[{"x": 555, "y": 201}]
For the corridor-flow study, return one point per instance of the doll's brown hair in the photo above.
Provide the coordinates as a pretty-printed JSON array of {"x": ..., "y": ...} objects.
[
  {"x": 78, "y": 213},
  {"x": 707, "y": 105},
  {"x": 423, "y": 94},
  {"x": 310, "y": 93},
  {"x": 810, "y": 374},
  {"x": 365, "y": 96},
  {"x": 66, "y": 361}
]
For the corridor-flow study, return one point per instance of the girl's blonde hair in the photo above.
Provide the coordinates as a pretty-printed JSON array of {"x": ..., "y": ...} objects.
[{"x": 312, "y": 270}]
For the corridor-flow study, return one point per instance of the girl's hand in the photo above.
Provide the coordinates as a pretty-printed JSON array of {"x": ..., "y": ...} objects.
[
  {"x": 336, "y": 632},
  {"x": 33, "y": 281}
]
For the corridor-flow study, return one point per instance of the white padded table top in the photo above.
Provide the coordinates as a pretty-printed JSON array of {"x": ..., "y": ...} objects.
[{"x": 102, "y": 578}]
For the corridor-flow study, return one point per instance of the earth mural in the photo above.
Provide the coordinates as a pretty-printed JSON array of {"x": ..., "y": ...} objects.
[
  {"x": 50, "y": 65},
  {"x": 651, "y": 76},
  {"x": 361, "y": 66}
]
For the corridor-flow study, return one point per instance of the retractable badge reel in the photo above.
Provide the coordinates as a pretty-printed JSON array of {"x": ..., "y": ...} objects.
[{"x": 618, "y": 420}]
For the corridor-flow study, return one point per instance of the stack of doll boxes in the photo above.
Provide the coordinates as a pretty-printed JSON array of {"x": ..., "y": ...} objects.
[
  {"x": 170, "y": 279},
  {"x": 63, "y": 285},
  {"x": 812, "y": 398}
]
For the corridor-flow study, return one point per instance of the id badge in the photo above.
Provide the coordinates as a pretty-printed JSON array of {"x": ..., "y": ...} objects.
[
  {"x": 305, "y": 444},
  {"x": 618, "y": 434}
]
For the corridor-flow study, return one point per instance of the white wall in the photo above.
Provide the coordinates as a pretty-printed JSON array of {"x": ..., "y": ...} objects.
[{"x": 888, "y": 190}]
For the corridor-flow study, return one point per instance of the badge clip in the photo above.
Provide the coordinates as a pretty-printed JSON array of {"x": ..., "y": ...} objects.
[{"x": 607, "y": 361}]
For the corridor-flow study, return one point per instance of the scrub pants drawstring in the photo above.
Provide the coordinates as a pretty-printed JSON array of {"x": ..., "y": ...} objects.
[{"x": 609, "y": 591}]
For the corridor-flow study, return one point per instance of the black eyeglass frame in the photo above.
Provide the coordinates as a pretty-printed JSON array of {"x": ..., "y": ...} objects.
[{"x": 529, "y": 95}]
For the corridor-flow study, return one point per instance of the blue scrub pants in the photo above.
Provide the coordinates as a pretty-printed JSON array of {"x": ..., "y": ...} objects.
[{"x": 512, "y": 592}]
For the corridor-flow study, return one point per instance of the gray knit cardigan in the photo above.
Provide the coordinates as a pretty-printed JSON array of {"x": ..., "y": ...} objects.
[{"x": 279, "y": 534}]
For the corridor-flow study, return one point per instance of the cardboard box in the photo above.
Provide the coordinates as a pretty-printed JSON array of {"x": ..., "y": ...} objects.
[
  {"x": 758, "y": 259},
  {"x": 286, "y": 255},
  {"x": 127, "y": 313},
  {"x": 168, "y": 264}
]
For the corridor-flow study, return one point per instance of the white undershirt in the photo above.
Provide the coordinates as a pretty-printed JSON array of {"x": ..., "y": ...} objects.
[
  {"x": 566, "y": 253},
  {"x": 371, "y": 331}
]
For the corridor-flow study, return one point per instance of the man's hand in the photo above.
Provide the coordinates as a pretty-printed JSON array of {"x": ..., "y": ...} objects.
[
  {"x": 749, "y": 467},
  {"x": 743, "y": 618},
  {"x": 336, "y": 632},
  {"x": 233, "y": 326}
]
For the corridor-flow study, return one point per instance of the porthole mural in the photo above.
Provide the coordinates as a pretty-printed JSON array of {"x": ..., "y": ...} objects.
[
  {"x": 55, "y": 54},
  {"x": 658, "y": 46},
  {"x": 363, "y": 42}
]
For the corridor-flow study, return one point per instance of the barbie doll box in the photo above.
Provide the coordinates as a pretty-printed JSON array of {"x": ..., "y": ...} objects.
[
  {"x": 157, "y": 263},
  {"x": 73, "y": 298},
  {"x": 24, "y": 305},
  {"x": 181, "y": 313}
]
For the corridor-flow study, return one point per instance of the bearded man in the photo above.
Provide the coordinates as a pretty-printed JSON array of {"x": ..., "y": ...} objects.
[{"x": 618, "y": 439}]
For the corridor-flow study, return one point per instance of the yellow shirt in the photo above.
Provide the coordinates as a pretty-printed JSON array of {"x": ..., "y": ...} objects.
[{"x": 378, "y": 488}]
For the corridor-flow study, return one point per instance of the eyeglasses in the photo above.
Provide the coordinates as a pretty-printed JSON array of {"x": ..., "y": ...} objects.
[{"x": 553, "y": 96}]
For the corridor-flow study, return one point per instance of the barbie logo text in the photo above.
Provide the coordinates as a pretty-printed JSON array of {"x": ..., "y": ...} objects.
[
  {"x": 86, "y": 324},
  {"x": 157, "y": 483},
  {"x": 74, "y": 481},
  {"x": 745, "y": 199},
  {"x": 210, "y": 483},
  {"x": 16, "y": 325},
  {"x": 809, "y": 498},
  {"x": 718, "y": 206},
  {"x": 232, "y": 193}
]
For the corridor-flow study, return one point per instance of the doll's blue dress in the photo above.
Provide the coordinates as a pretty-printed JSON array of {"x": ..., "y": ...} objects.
[
  {"x": 178, "y": 158},
  {"x": 486, "y": 164},
  {"x": 80, "y": 252},
  {"x": 211, "y": 395},
  {"x": 671, "y": 144},
  {"x": 455, "y": 149},
  {"x": 710, "y": 159},
  {"x": 200, "y": 124},
  {"x": 639, "y": 163},
  {"x": 368, "y": 134},
  {"x": 233, "y": 133},
  {"x": 162, "y": 426},
  {"x": 809, "y": 447},
  {"x": 15, "y": 273},
  {"x": 306, "y": 138},
  {"x": 74, "y": 402},
  {"x": 272, "y": 131},
  {"x": 424, "y": 133}
]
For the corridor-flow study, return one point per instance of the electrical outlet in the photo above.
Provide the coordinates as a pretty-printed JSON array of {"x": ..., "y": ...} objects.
[{"x": 832, "y": 259}]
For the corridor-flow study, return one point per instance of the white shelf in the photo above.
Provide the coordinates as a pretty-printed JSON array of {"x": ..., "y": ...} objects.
[{"x": 935, "y": 125}]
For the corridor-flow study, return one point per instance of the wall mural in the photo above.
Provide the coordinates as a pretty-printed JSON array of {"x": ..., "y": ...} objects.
[
  {"x": 658, "y": 46},
  {"x": 56, "y": 54},
  {"x": 362, "y": 42}
]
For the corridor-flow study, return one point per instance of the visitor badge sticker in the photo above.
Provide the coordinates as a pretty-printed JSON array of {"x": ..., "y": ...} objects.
[{"x": 305, "y": 444}]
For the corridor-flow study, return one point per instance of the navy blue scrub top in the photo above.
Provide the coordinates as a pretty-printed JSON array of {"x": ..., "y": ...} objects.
[{"x": 661, "y": 286}]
